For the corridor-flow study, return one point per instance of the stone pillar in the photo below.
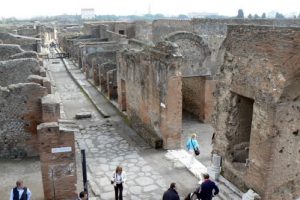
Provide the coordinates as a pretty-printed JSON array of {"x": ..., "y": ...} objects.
[
  {"x": 215, "y": 169},
  {"x": 47, "y": 84},
  {"x": 39, "y": 46},
  {"x": 57, "y": 156},
  {"x": 112, "y": 84},
  {"x": 50, "y": 108}
]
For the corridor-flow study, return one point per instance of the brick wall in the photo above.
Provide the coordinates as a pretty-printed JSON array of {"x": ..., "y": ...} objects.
[
  {"x": 20, "y": 113},
  {"x": 261, "y": 63},
  {"x": 18, "y": 70},
  {"x": 146, "y": 77},
  {"x": 58, "y": 168}
]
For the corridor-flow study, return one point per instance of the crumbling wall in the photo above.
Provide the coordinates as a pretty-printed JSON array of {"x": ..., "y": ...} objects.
[
  {"x": 25, "y": 54},
  {"x": 145, "y": 79},
  {"x": 259, "y": 64},
  {"x": 18, "y": 70},
  {"x": 193, "y": 98},
  {"x": 196, "y": 54},
  {"x": 103, "y": 69},
  {"x": 26, "y": 43},
  {"x": 20, "y": 112},
  {"x": 8, "y": 50},
  {"x": 143, "y": 31}
]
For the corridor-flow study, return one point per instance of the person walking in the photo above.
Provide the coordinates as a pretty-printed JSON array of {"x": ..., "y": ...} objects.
[
  {"x": 118, "y": 178},
  {"x": 193, "y": 148},
  {"x": 20, "y": 192},
  {"x": 171, "y": 193},
  {"x": 208, "y": 189}
]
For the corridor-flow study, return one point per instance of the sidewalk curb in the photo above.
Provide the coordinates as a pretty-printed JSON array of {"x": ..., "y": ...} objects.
[{"x": 102, "y": 112}]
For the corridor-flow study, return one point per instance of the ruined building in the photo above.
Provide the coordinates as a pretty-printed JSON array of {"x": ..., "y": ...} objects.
[
  {"x": 257, "y": 113},
  {"x": 240, "y": 75},
  {"x": 30, "y": 116}
]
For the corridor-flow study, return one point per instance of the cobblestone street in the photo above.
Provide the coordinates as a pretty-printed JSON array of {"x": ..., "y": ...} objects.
[{"x": 109, "y": 142}]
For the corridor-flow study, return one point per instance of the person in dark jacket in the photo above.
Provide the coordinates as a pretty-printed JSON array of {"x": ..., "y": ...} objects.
[
  {"x": 207, "y": 189},
  {"x": 171, "y": 193},
  {"x": 20, "y": 192}
]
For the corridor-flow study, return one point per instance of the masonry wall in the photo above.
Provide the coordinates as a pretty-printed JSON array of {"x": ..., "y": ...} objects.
[
  {"x": 18, "y": 70},
  {"x": 147, "y": 84},
  {"x": 251, "y": 53},
  {"x": 193, "y": 89},
  {"x": 20, "y": 112},
  {"x": 8, "y": 50},
  {"x": 28, "y": 44},
  {"x": 143, "y": 31},
  {"x": 58, "y": 168}
]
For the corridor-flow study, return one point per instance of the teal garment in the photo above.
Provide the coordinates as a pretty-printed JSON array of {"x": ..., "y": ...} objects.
[{"x": 190, "y": 143}]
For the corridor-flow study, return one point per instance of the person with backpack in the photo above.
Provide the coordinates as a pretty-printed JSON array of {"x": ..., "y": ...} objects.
[{"x": 20, "y": 192}]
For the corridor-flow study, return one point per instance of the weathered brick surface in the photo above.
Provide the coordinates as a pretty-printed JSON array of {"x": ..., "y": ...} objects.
[
  {"x": 58, "y": 169},
  {"x": 51, "y": 108},
  {"x": 195, "y": 52},
  {"x": 148, "y": 86},
  {"x": 112, "y": 91},
  {"x": 18, "y": 70},
  {"x": 20, "y": 113},
  {"x": 262, "y": 64},
  {"x": 103, "y": 69}
]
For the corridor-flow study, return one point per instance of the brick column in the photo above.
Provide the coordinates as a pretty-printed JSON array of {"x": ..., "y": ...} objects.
[
  {"x": 50, "y": 108},
  {"x": 57, "y": 156}
]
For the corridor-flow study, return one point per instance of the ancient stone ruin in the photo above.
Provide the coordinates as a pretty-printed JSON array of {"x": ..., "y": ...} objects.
[{"x": 240, "y": 75}]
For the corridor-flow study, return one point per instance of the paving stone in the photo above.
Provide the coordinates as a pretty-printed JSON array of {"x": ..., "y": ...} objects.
[
  {"x": 135, "y": 190},
  {"x": 83, "y": 115},
  {"x": 146, "y": 169},
  {"x": 107, "y": 195},
  {"x": 143, "y": 181},
  {"x": 150, "y": 188}
]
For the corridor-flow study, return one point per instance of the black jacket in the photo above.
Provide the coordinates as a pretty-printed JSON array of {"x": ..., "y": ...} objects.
[
  {"x": 16, "y": 194},
  {"x": 207, "y": 189},
  {"x": 171, "y": 194}
]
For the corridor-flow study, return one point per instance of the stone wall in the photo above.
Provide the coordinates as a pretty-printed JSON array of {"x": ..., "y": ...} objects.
[
  {"x": 18, "y": 70},
  {"x": 8, "y": 50},
  {"x": 25, "y": 54},
  {"x": 143, "y": 31},
  {"x": 26, "y": 43},
  {"x": 58, "y": 165},
  {"x": 260, "y": 64},
  {"x": 146, "y": 79},
  {"x": 20, "y": 112},
  {"x": 193, "y": 96},
  {"x": 103, "y": 70}
]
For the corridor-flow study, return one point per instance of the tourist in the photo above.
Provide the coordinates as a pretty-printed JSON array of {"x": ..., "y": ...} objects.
[
  {"x": 171, "y": 193},
  {"x": 193, "y": 148},
  {"x": 20, "y": 192},
  {"x": 207, "y": 189},
  {"x": 83, "y": 195},
  {"x": 118, "y": 178}
]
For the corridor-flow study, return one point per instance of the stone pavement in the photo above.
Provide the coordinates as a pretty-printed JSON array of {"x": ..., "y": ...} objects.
[{"x": 110, "y": 141}]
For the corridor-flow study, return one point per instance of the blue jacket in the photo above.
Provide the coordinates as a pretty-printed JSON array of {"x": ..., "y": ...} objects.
[
  {"x": 171, "y": 194},
  {"x": 190, "y": 143},
  {"x": 206, "y": 190}
]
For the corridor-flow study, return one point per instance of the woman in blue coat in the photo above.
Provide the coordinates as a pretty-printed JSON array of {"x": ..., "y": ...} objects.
[{"x": 192, "y": 145}]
